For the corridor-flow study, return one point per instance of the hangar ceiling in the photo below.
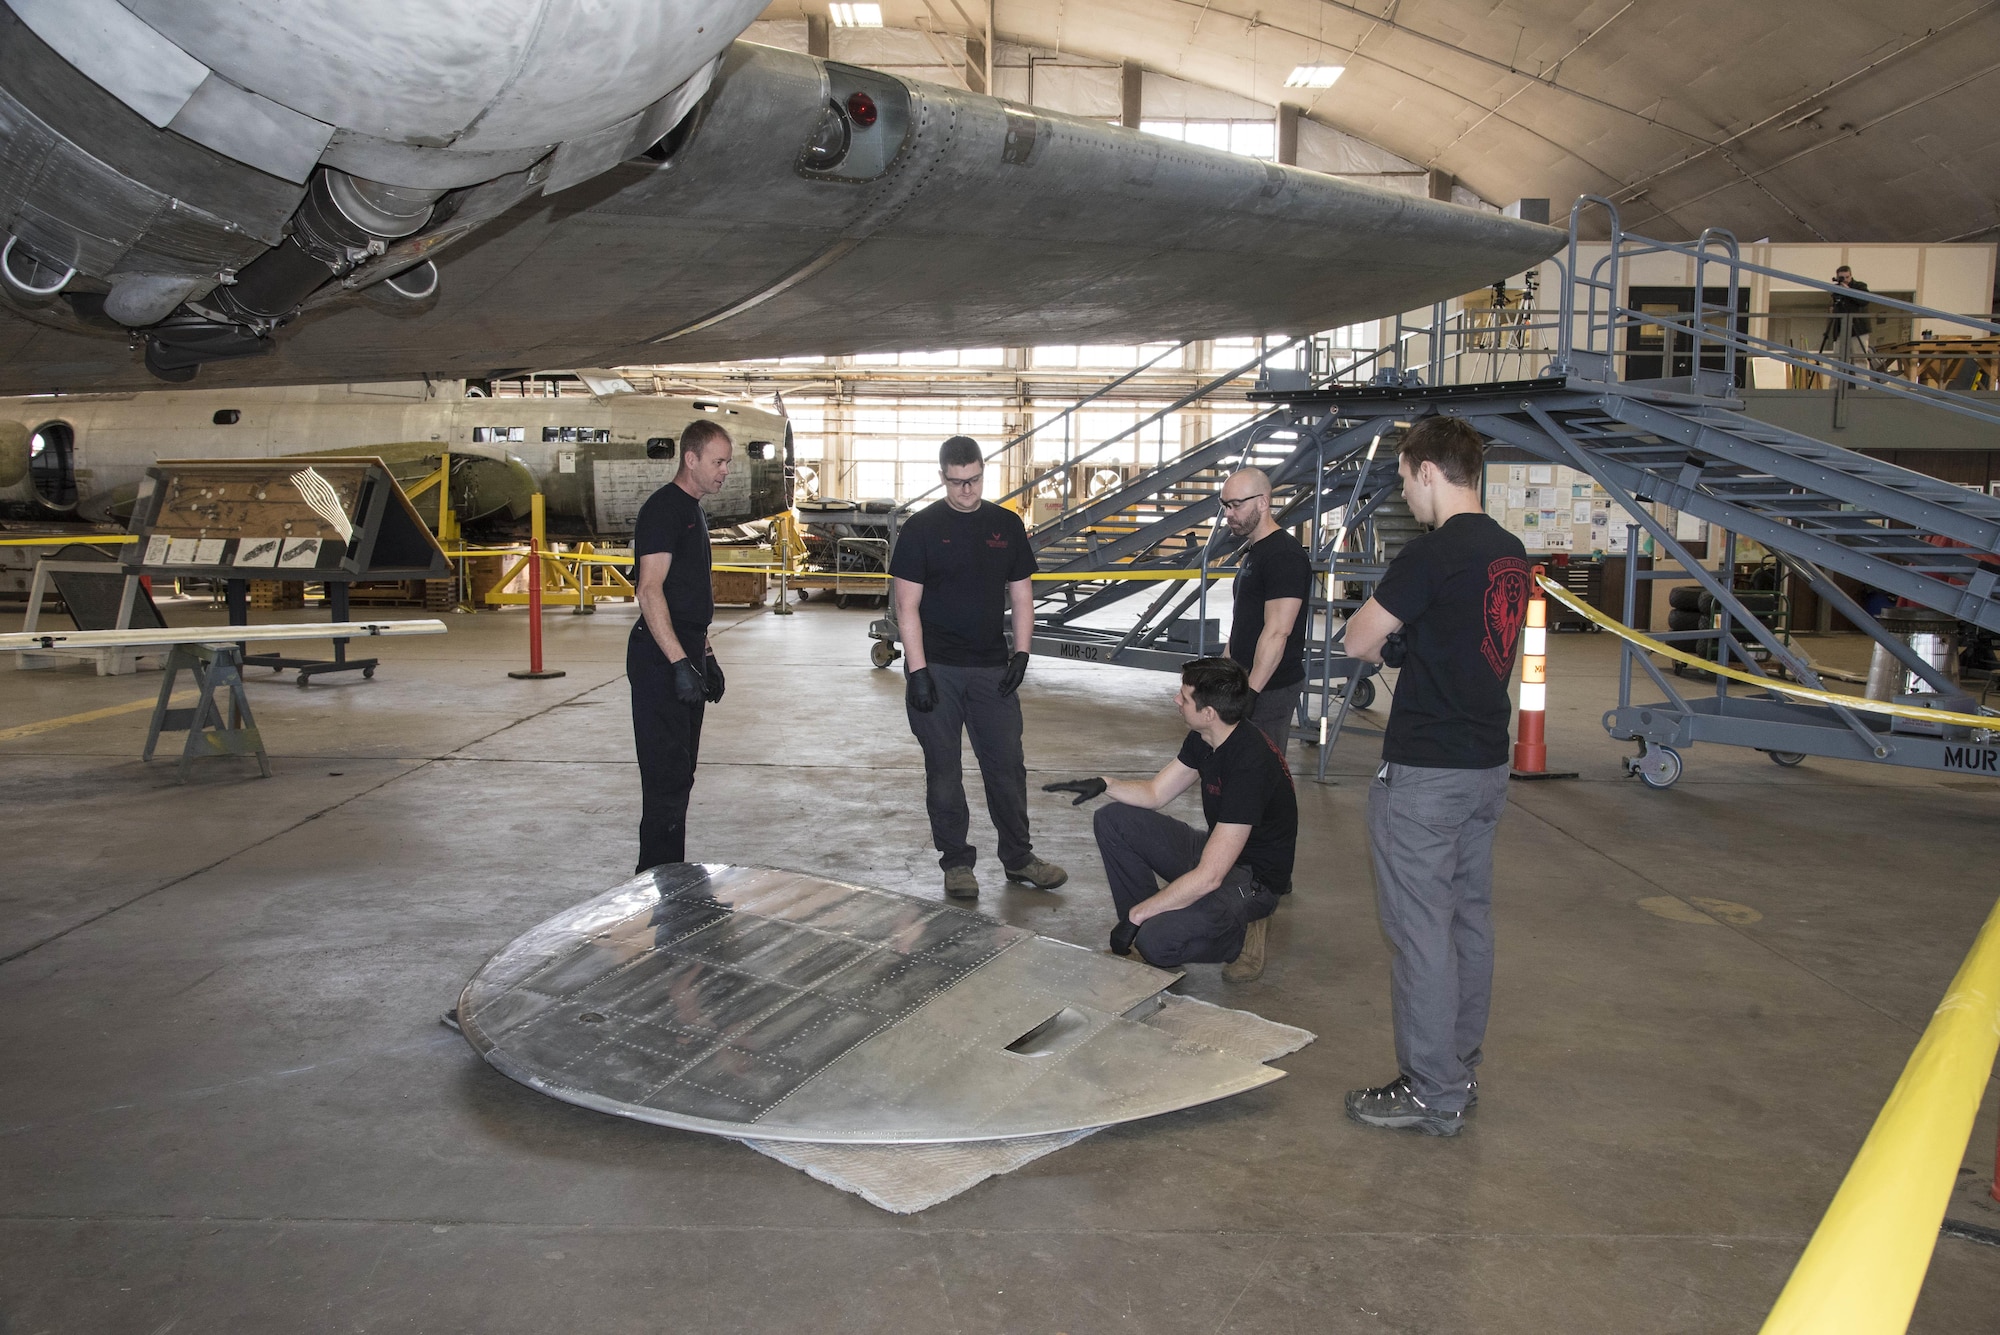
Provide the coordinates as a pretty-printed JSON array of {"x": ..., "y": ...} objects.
[{"x": 1840, "y": 120}]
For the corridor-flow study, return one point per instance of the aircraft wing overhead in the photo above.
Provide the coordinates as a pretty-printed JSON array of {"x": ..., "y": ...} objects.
[{"x": 814, "y": 208}]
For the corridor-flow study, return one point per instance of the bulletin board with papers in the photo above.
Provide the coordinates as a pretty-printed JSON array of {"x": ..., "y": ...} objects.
[{"x": 1553, "y": 508}]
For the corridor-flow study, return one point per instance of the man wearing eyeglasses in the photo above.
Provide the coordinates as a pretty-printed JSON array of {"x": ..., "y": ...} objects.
[
  {"x": 1267, "y": 631},
  {"x": 956, "y": 569}
]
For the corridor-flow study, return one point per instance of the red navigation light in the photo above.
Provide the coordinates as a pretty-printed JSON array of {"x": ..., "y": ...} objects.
[{"x": 861, "y": 108}]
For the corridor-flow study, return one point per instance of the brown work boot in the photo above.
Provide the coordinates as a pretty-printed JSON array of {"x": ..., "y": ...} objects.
[
  {"x": 1042, "y": 875},
  {"x": 1248, "y": 966},
  {"x": 961, "y": 883}
]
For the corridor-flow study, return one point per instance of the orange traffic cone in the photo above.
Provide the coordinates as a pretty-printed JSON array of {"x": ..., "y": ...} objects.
[{"x": 1531, "y": 751}]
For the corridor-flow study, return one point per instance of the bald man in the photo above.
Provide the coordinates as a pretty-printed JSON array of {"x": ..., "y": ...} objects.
[{"x": 1267, "y": 633}]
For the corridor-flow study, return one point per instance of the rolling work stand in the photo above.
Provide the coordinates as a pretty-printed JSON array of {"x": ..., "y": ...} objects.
[
  {"x": 1684, "y": 444},
  {"x": 238, "y": 596},
  {"x": 329, "y": 520}
]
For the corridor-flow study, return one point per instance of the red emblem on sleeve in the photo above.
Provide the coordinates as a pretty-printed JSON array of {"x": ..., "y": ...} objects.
[{"x": 1506, "y": 609}]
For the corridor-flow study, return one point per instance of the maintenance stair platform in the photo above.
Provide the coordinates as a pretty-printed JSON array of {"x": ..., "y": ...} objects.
[{"x": 1656, "y": 447}]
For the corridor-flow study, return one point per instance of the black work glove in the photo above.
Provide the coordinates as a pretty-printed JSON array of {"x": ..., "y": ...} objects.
[
  {"x": 1017, "y": 668},
  {"x": 920, "y": 691},
  {"x": 712, "y": 671},
  {"x": 1394, "y": 650},
  {"x": 689, "y": 685},
  {"x": 1122, "y": 937},
  {"x": 1085, "y": 789}
]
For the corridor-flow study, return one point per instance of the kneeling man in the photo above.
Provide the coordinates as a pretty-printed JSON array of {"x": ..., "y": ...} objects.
[{"x": 1221, "y": 885}]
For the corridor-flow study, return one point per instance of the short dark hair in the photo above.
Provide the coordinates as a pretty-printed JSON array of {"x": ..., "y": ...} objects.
[
  {"x": 1449, "y": 442},
  {"x": 958, "y": 452},
  {"x": 700, "y": 432},
  {"x": 1221, "y": 684}
]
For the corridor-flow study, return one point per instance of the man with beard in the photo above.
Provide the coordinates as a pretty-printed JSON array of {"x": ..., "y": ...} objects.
[{"x": 1267, "y": 632}]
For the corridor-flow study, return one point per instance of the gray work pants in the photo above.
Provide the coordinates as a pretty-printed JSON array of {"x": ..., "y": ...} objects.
[
  {"x": 1276, "y": 710},
  {"x": 970, "y": 703},
  {"x": 1432, "y": 835}
]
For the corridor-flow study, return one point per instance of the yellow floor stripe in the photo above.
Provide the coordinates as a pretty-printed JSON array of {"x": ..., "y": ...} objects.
[{"x": 89, "y": 716}]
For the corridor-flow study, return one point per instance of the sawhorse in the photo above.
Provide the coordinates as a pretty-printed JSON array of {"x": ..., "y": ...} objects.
[{"x": 216, "y": 668}]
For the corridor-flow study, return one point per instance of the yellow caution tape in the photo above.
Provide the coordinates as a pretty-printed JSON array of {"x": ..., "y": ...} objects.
[
  {"x": 1054, "y": 577},
  {"x": 114, "y": 539},
  {"x": 614, "y": 559},
  {"x": 1984, "y": 722},
  {"x": 1862, "y": 1270}
]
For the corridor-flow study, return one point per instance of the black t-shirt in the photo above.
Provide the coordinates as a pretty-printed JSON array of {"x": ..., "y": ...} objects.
[
  {"x": 965, "y": 561},
  {"x": 1245, "y": 781},
  {"x": 673, "y": 522},
  {"x": 1461, "y": 593},
  {"x": 1273, "y": 567}
]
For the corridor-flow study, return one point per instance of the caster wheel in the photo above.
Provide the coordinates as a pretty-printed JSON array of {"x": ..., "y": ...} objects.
[
  {"x": 368, "y": 673},
  {"x": 1786, "y": 758},
  {"x": 842, "y": 601},
  {"x": 1658, "y": 767},
  {"x": 1364, "y": 693},
  {"x": 883, "y": 654},
  {"x": 303, "y": 681}
]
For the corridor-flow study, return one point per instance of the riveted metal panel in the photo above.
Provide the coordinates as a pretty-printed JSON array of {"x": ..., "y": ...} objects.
[{"x": 754, "y": 1001}]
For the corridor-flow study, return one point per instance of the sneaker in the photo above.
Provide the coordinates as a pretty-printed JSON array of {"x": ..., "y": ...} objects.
[
  {"x": 1472, "y": 1091},
  {"x": 1397, "y": 1107},
  {"x": 960, "y": 883},
  {"x": 1248, "y": 966},
  {"x": 1042, "y": 875}
]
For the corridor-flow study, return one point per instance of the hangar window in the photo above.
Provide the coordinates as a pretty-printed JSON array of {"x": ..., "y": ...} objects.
[
  {"x": 1250, "y": 139},
  {"x": 492, "y": 435},
  {"x": 950, "y": 357},
  {"x": 1107, "y": 357},
  {"x": 52, "y": 465}
]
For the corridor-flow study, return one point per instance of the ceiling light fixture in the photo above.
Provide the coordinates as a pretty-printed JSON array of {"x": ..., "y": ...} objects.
[
  {"x": 855, "y": 16},
  {"x": 1315, "y": 76}
]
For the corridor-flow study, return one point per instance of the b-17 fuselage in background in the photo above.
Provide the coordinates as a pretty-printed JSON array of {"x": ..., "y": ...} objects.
[{"x": 594, "y": 459}]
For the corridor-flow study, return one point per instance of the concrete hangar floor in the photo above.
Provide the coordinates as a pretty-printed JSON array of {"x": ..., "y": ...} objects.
[{"x": 227, "y": 1103}]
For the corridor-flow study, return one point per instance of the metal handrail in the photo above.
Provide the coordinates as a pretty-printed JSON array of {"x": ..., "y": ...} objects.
[
  {"x": 1033, "y": 430},
  {"x": 1194, "y": 396},
  {"x": 1600, "y": 327}
]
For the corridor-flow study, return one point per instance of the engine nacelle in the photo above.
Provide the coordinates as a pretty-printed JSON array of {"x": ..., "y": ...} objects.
[{"x": 169, "y": 165}]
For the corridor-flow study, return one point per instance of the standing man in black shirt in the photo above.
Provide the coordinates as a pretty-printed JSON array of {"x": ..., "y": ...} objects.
[
  {"x": 1448, "y": 613},
  {"x": 1221, "y": 883},
  {"x": 673, "y": 671},
  {"x": 957, "y": 566},
  {"x": 1267, "y": 631}
]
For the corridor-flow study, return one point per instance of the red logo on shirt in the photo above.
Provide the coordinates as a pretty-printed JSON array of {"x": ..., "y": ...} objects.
[
  {"x": 1506, "y": 609},
  {"x": 997, "y": 540}
]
